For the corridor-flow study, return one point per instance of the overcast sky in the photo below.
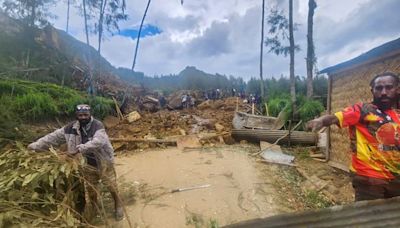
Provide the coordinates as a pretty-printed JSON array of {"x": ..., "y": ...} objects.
[{"x": 224, "y": 36}]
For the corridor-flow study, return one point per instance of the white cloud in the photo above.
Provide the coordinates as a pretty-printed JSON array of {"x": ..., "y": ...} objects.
[{"x": 224, "y": 36}]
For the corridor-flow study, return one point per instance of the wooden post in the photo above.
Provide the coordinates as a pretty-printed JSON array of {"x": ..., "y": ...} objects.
[
  {"x": 290, "y": 128},
  {"x": 252, "y": 108},
  {"x": 237, "y": 104},
  {"x": 119, "y": 113},
  {"x": 329, "y": 109}
]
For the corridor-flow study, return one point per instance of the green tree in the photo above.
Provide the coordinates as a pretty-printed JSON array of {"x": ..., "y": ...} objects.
[
  {"x": 31, "y": 12},
  {"x": 110, "y": 13},
  {"x": 280, "y": 27}
]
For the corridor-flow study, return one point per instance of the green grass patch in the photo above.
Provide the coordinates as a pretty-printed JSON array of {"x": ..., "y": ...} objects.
[
  {"x": 315, "y": 200},
  {"x": 27, "y": 101}
]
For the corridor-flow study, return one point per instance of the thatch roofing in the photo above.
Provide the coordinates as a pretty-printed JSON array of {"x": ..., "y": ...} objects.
[{"x": 384, "y": 51}]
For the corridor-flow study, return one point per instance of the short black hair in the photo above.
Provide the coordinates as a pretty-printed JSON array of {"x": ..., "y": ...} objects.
[{"x": 391, "y": 74}]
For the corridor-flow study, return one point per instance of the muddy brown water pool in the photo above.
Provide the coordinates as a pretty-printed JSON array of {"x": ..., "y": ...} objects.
[{"x": 239, "y": 189}]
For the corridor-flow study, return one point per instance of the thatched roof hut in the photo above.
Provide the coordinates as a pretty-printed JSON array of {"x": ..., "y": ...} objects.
[{"x": 348, "y": 83}]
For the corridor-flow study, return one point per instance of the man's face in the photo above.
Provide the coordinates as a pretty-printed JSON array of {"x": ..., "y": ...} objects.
[
  {"x": 83, "y": 118},
  {"x": 385, "y": 92}
]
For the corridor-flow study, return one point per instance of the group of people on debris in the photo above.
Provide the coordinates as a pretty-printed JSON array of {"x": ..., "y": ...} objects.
[
  {"x": 373, "y": 129},
  {"x": 187, "y": 101}
]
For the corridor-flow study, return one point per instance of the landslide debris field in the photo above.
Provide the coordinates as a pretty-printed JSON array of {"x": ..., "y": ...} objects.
[
  {"x": 181, "y": 168},
  {"x": 231, "y": 181}
]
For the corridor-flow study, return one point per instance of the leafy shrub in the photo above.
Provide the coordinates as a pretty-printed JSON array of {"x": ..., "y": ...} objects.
[
  {"x": 276, "y": 105},
  {"x": 310, "y": 109},
  {"x": 307, "y": 109},
  {"x": 101, "y": 107},
  {"x": 39, "y": 189}
]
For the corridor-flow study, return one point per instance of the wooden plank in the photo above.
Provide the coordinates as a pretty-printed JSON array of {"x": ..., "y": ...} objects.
[{"x": 338, "y": 166}]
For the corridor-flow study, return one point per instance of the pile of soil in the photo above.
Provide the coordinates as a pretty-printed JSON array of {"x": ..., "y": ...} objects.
[{"x": 211, "y": 116}]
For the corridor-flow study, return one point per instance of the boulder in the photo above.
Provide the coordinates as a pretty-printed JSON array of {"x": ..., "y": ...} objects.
[{"x": 133, "y": 116}]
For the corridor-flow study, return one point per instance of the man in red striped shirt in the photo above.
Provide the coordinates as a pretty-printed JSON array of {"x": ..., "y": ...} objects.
[{"x": 374, "y": 131}]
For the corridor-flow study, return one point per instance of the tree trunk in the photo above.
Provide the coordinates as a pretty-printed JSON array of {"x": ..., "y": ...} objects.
[
  {"x": 262, "y": 50},
  {"x": 69, "y": 3},
  {"x": 310, "y": 48},
  {"x": 138, "y": 37},
  {"x": 103, "y": 4},
  {"x": 86, "y": 26},
  {"x": 33, "y": 15},
  {"x": 292, "y": 77}
]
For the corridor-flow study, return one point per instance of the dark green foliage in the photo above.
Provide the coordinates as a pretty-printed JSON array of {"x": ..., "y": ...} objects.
[
  {"x": 35, "y": 106},
  {"x": 37, "y": 101},
  {"x": 310, "y": 109},
  {"x": 276, "y": 105},
  {"x": 101, "y": 107},
  {"x": 25, "y": 101},
  {"x": 188, "y": 79}
]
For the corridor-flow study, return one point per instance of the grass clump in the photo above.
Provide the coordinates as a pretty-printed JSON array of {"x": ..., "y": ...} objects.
[
  {"x": 37, "y": 101},
  {"x": 27, "y": 101},
  {"x": 315, "y": 200}
]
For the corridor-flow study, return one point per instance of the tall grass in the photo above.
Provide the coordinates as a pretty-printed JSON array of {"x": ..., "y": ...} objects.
[{"x": 27, "y": 101}]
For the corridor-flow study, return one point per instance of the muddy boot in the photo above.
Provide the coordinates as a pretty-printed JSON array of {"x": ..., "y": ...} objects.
[{"x": 119, "y": 214}]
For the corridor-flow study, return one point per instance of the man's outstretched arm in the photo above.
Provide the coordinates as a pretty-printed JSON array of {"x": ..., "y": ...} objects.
[
  {"x": 323, "y": 121},
  {"x": 55, "y": 138}
]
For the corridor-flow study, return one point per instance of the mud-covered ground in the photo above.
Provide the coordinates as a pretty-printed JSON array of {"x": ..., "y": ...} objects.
[{"x": 236, "y": 186}]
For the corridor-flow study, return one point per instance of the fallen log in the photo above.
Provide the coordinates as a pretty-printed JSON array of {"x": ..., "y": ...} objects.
[
  {"x": 143, "y": 140},
  {"x": 271, "y": 136}
]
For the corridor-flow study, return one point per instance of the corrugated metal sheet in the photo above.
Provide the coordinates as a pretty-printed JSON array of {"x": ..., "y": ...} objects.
[{"x": 376, "y": 213}]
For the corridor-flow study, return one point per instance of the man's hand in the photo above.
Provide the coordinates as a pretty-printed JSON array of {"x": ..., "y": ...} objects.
[
  {"x": 76, "y": 151},
  {"x": 315, "y": 125},
  {"x": 323, "y": 121},
  {"x": 78, "y": 148},
  {"x": 31, "y": 146}
]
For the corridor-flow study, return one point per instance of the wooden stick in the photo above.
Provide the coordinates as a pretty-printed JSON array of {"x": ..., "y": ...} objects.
[
  {"x": 237, "y": 104},
  {"x": 119, "y": 113}
]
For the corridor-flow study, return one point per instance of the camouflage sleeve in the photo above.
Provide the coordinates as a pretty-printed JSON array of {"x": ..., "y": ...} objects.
[
  {"x": 55, "y": 138},
  {"x": 99, "y": 139}
]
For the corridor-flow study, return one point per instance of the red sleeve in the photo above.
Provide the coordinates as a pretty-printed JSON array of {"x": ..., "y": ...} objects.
[{"x": 349, "y": 116}]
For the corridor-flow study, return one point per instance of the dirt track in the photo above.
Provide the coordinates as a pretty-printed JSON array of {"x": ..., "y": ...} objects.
[{"x": 239, "y": 189}]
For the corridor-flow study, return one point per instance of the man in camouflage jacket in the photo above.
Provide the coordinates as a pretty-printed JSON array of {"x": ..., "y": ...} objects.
[{"x": 88, "y": 137}]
